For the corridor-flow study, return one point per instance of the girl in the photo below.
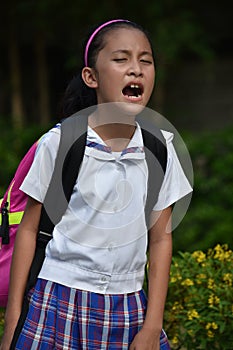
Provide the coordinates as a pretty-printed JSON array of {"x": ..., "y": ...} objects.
[{"x": 89, "y": 291}]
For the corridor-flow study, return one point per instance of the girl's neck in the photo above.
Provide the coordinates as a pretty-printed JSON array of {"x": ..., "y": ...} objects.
[{"x": 115, "y": 133}]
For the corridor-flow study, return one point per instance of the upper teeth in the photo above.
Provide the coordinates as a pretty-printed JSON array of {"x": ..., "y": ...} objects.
[{"x": 134, "y": 86}]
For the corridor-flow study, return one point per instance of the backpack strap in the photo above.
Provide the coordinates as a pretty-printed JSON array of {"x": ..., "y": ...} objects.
[
  {"x": 156, "y": 157},
  {"x": 56, "y": 202},
  {"x": 13, "y": 202},
  {"x": 68, "y": 161},
  {"x": 14, "y": 217}
]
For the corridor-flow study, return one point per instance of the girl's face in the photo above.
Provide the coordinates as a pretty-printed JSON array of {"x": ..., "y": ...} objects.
[{"x": 124, "y": 70}]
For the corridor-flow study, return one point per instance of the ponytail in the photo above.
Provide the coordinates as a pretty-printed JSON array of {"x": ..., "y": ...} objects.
[{"x": 77, "y": 96}]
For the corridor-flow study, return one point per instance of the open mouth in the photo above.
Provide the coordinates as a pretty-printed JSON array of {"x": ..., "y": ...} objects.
[{"x": 133, "y": 91}]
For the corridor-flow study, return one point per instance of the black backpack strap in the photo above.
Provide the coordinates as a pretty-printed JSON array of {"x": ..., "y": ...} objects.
[
  {"x": 69, "y": 158},
  {"x": 68, "y": 161},
  {"x": 57, "y": 199},
  {"x": 156, "y": 157}
]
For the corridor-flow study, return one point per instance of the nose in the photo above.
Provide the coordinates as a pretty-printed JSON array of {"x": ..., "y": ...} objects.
[{"x": 135, "y": 68}]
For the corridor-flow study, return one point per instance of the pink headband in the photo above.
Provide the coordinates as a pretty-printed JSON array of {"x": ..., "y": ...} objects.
[{"x": 96, "y": 32}]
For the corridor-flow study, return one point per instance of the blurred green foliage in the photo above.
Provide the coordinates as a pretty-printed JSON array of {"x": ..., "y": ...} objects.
[{"x": 209, "y": 219}]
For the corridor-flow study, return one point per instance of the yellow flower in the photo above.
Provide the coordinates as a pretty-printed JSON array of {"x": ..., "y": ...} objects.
[
  {"x": 173, "y": 279},
  {"x": 200, "y": 277},
  {"x": 211, "y": 283},
  {"x": 227, "y": 278},
  {"x": 229, "y": 255},
  {"x": 177, "y": 306},
  {"x": 214, "y": 325},
  {"x": 218, "y": 248},
  {"x": 179, "y": 277},
  {"x": 175, "y": 340},
  {"x": 192, "y": 314},
  {"x": 210, "y": 325},
  {"x": 210, "y": 334},
  {"x": 199, "y": 256},
  {"x": 213, "y": 300},
  {"x": 187, "y": 282},
  {"x": 222, "y": 253}
]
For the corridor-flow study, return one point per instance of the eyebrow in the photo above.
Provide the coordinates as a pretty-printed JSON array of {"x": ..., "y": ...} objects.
[{"x": 127, "y": 52}]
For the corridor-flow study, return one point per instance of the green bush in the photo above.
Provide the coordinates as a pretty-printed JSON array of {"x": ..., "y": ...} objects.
[
  {"x": 209, "y": 219},
  {"x": 199, "y": 308}
]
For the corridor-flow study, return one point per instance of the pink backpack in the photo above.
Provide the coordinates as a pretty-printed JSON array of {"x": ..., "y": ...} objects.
[{"x": 12, "y": 209}]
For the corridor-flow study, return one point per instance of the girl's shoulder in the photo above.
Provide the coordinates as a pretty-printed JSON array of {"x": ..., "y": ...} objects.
[
  {"x": 50, "y": 139},
  {"x": 53, "y": 133}
]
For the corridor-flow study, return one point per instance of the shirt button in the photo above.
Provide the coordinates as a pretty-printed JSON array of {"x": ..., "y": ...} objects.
[
  {"x": 101, "y": 287},
  {"x": 103, "y": 279}
]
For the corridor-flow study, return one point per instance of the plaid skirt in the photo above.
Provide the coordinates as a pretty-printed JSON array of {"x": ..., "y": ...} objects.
[{"x": 62, "y": 318}]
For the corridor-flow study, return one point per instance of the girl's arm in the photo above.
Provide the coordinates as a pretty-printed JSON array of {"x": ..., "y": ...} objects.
[
  {"x": 23, "y": 254},
  {"x": 160, "y": 254}
]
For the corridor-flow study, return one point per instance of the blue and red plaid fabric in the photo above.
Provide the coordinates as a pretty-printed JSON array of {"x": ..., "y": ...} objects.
[{"x": 64, "y": 318}]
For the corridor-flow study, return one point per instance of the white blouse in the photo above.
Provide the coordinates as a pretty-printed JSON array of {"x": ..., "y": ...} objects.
[{"x": 100, "y": 243}]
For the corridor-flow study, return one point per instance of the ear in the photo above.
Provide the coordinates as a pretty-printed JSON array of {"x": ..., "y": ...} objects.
[{"x": 89, "y": 77}]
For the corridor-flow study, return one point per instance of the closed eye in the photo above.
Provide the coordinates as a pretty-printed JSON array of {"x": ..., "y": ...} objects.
[
  {"x": 146, "y": 61},
  {"x": 119, "y": 59}
]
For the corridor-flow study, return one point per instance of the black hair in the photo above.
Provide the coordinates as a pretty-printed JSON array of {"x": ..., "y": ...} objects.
[{"x": 78, "y": 95}]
